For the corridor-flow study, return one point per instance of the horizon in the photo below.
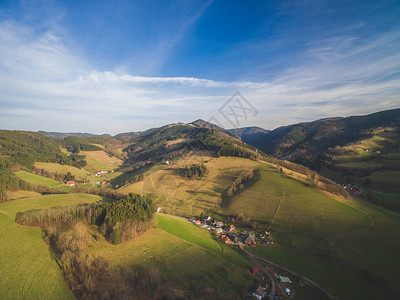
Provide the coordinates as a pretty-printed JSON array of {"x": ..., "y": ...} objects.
[
  {"x": 186, "y": 123},
  {"x": 128, "y": 66}
]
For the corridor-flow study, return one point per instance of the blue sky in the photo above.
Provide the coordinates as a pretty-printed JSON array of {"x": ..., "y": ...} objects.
[{"x": 116, "y": 66}]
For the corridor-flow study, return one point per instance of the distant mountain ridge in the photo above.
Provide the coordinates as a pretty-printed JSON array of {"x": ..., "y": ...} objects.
[
  {"x": 318, "y": 136},
  {"x": 61, "y": 135},
  {"x": 250, "y": 134}
]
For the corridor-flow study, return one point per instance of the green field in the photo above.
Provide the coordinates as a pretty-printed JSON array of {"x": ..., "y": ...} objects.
[
  {"x": 100, "y": 160},
  {"x": 37, "y": 180},
  {"x": 80, "y": 174},
  {"x": 29, "y": 270},
  {"x": 354, "y": 265},
  {"x": 337, "y": 242},
  {"x": 289, "y": 204},
  {"x": 181, "y": 196},
  {"x": 185, "y": 253}
]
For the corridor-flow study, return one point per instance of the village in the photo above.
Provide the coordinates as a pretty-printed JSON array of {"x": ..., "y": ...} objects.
[{"x": 278, "y": 286}]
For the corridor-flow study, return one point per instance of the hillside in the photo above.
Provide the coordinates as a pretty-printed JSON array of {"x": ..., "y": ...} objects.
[
  {"x": 360, "y": 151},
  {"x": 317, "y": 137},
  {"x": 193, "y": 169},
  {"x": 307, "y": 225},
  {"x": 250, "y": 135},
  {"x": 29, "y": 270},
  {"x": 61, "y": 135}
]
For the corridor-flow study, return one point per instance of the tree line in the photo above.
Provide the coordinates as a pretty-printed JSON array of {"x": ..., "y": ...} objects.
[
  {"x": 238, "y": 184},
  {"x": 195, "y": 171},
  {"x": 118, "y": 221},
  {"x": 8, "y": 181}
]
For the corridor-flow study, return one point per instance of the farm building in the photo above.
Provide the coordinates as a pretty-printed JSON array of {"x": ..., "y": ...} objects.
[
  {"x": 70, "y": 183},
  {"x": 284, "y": 279}
]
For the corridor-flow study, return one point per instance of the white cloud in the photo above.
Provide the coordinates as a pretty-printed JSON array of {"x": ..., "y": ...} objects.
[{"x": 44, "y": 85}]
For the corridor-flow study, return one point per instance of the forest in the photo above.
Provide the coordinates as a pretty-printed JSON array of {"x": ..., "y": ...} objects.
[{"x": 118, "y": 221}]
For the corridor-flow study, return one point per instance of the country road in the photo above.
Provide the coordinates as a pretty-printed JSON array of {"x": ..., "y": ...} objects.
[
  {"x": 293, "y": 273},
  {"x": 273, "y": 288}
]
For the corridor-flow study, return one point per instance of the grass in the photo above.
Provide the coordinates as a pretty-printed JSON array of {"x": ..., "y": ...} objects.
[
  {"x": 100, "y": 160},
  {"x": 340, "y": 243},
  {"x": 29, "y": 270},
  {"x": 385, "y": 177},
  {"x": 185, "y": 253},
  {"x": 289, "y": 204},
  {"x": 37, "y": 180},
  {"x": 80, "y": 174},
  {"x": 361, "y": 264},
  {"x": 176, "y": 194},
  {"x": 22, "y": 194}
]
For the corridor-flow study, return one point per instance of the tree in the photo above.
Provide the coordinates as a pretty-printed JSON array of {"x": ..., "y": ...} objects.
[{"x": 69, "y": 177}]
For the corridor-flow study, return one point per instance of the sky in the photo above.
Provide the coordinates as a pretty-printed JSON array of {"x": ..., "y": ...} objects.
[{"x": 120, "y": 66}]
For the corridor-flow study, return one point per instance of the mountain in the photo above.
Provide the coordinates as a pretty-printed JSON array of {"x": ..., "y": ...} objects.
[
  {"x": 317, "y": 137},
  {"x": 204, "y": 124},
  {"x": 126, "y": 136},
  {"x": 174, "y": 141},
  {"x": 250, "y": 134},
  {"x": 61, "y": 135}
]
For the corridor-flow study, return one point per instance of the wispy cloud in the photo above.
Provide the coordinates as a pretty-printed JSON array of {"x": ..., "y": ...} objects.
[{"x": 45, "y": 85}]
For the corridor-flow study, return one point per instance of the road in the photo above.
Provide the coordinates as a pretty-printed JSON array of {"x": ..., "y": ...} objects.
[
  {"x": 293, "y": 273},
  {"x": 273, "y": 287}
]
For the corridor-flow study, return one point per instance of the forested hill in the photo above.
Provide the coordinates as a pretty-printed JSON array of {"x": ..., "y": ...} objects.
[
  {"x": 25, "y": 148},
  {"x": 316, "y": 137},
  {"x": 61, "y": 135},
  {"x": 175, "y": 141},
  {"x": 250, "y": 134}
]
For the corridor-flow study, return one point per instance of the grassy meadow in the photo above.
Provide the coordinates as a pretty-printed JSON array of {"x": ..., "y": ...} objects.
[
  {"x": 340, "y": 243},
  {"x": 37, "y": 180},
  {"x": 80, "y": 174},
  {"x": 176, "y": 194},
  {"x": 185, "y": 254},
  {"x": 100, "y": 160},
  {"x": 29, "y": 270},
  {"x": 374, "y": 164}
]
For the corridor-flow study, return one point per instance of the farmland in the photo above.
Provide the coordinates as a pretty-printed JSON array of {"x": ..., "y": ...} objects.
[
  {"x": 316, "y": 233},
  {"x": 373, "y": 163},
  {"x": 29, "y": 270},
  {"x": 189, "y": 197},
  {"x": 100, "y": 160},
  {"x": 185, "y": 253},
  {"x": 80, "y": 174}
]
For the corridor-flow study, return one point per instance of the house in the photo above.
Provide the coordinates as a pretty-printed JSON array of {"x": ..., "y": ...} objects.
[
  {"x": 167, "y": 162},
  {"x": 231, "y": 228},
  {"x": 248, "y": 238},
  {"x": 255, "y": 270},
  {"x": 264, "y": 284},
  {"x": 256, "y": 291},
  {"x": 197, "y": 222},
  {"x": 70, "y": 183},
  {"x": 158, "y": 208},
  {"x": 218, "y": 230},
  {"x": 207, "y": 218},
  {"x": 284, "y": 279}
]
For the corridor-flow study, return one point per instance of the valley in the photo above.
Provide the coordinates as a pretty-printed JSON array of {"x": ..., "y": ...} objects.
[{"x": 344, "y": 243}]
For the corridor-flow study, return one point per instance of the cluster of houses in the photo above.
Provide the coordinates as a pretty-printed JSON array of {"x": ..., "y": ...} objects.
[
  {"x": 260, "y": 290},
  {"x": 352, "y": 189},
  {"x": 228, "y": 233},
  {"x": 99, "y": 173}
]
